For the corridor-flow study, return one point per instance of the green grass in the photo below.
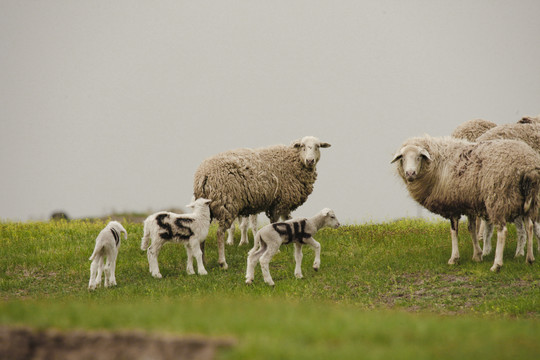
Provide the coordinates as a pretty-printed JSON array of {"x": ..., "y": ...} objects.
[{"x": 383, "y": 291}]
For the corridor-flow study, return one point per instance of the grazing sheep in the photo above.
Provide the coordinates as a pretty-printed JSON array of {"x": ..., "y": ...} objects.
[
  {"x": 497, "y": 180},
  {"x": 299, "y": 231},
  {"x": 107, "y": 244},
  {"x": 276, "y": 180},
  {"x": 529, "y": 133},
  {"x": 244, "y": 222},
  {"x": 472, "y": 129},
  {"x": 189, "y": 229}
]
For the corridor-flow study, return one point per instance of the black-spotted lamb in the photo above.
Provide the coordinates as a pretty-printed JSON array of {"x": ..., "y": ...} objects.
[
  {"x": 189, "y": 229},
  {"x": 275, "y": 180},
  {"x": 497, "y": 180},
  {"x": 107, "y": 245},
  {"x": 297, "y": 231}
]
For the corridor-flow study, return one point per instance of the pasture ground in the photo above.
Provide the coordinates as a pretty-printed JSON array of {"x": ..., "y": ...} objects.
[{"x": 383, "y": 291}]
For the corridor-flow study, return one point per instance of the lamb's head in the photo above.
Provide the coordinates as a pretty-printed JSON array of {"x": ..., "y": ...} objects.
[
  {"x": 308, "y": 148},
  {"x": 118, "y": 227},
  {"x": 200, "y": 203},
  {"x": 410, "y": 159},
  {"x": 330, "y": 218}
]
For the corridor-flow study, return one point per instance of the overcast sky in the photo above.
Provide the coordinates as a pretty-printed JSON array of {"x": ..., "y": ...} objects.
[{"x": 111, "y": 105}]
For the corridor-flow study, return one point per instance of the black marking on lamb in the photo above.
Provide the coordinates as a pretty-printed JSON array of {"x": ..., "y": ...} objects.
[
  {"x": 168, "y": 234},
  {"x": 295, "y": 233},
  {"x": 182, "y": 231},
  {"x": 185, "y": 231},
  {"x": 116, "y": 236}
]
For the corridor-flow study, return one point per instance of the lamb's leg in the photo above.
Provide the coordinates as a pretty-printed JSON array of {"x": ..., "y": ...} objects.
[
  {"x": 107, "y": 272},
  {"x": 521, "y": 236},
  {"x": 112, "y": 270},
  {"x": 153, "y": 253},
  {"x": 265, "y": 262},
  {"x": 221, "y": 246},
  {"x": 477, "y": 251},
  {"x": 243, "y": 231},
  {"x": 488, "y": 234},
  {"x": 298, "y": 257},
  {"x": 454, "y": 224},
  {"x": 189, "y": 261},
  {"x": 316, "y": 246},
  {"x": 99, "y": 269},
  {"x": 530, "y": 255},
  {"x": 197, "y": 253},
  {"x": 499, "y": 251},
  {"x": 93, "y": 272},
  {"x": 253, "y": 257}
]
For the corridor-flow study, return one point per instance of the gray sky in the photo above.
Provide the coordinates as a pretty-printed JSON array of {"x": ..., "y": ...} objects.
[{"x": 112, "y": 105}]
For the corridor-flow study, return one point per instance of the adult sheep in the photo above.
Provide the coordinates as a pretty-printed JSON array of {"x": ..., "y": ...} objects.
[
  {"x": 275, "y": 180},
  {"x": 472, "y": 129},
  {"x": 497, "y": 180}
]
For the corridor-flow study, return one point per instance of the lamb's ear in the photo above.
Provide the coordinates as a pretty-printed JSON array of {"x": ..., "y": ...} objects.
[
  {"x": 396, "y": 157},
  {"x": 191, "y": 205},
  {"x": 326, "y": 211},
  {"x": 425, "y": 154},
  {"x": 324, "y": 145},
  {"x": 207, "y": 201}
]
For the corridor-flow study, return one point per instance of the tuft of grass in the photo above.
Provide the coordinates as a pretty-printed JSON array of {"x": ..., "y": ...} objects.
[{"x": 383, "y": 291}]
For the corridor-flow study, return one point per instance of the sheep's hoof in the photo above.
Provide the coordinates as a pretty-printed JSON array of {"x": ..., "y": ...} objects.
[
  {"x": 157, "y": 276},
  {"x": 519, "y": 254},
  {"x": 224, "y": 266},
  {"x": 203, "y": 272},
  {"x": 453, "y": 261},
  {"x": 249, "y": 281},
  {"x": 496, "y": 268},
  {"x": 530, "y": 260},
  {"x": 270, "y": 283},
  {"x": 316, "y": 268},
  {"x": 299, "y": 276},
  {"x": 477, "y": 257}
]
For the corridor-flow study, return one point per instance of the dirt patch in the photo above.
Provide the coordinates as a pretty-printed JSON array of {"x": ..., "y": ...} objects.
[{"x": 28, "y": 344}]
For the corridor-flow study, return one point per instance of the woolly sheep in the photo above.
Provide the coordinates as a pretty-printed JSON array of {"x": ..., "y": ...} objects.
[
  {"x": 107, "y": 245},
  {"x": 472, "y": 129},
  {"x": 530, "y": 120},
  {"x": 498, "y": 180},
  {"x": 189, "y": 229},
  {"x": 244, "y": 223},
  {"x": 299, "y": 231},
  {"x": 529, "y": 133},
  {"x": 276, "y": 180}
]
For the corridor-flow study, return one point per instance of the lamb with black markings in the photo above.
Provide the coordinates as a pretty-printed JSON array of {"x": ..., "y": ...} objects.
[
  {"x": 189, "y": 229},
  {"x": 298, "y": 231}
]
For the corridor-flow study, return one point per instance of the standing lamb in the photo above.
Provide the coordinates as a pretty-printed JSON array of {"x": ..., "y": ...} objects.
[
  {"x": 498, "y": 180},
  {"x": 244, "y": 223},
  {"x": 472, "y": 129},
  {"x": 189, "y": 229},
  {"x": 107, "y": 244},
  {"x": 529, "y": 133},
  {"x": 299, "y": 231},
  {"x": 276, "y": 180}
]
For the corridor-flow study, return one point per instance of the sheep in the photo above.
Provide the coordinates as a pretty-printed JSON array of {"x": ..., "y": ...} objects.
[
  {"x": 529, "y": 133},
  {"x": 244, "y": 222},
  {"x": 498, "y": 180},
  {"x": 299, "y": 231},
  {"x": 530, "y": 120},
  {"x": 472, "y": 129},
  {"x": 189, "y": 229},
  {"x": 276, "y": 180},
  {"x": 107, "y": 245}
]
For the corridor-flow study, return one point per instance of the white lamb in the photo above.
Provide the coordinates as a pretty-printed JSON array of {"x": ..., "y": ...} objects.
[
  {"x": 189, "y": 229},
  {"x": 300, "y": 231},
  {"x": 244, "y": 223},
  {"x": 107, "y": 244}
]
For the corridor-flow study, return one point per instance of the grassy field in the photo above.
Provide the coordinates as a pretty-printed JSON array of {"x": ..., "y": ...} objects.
[{"x": 383, "y": 291}]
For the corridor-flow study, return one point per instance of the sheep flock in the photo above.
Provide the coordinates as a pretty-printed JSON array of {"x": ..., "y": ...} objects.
[{"x": 490, "y": 173}]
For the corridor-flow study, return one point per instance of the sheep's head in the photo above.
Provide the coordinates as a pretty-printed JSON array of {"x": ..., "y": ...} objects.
[
  {"x": 308, "y": 148},
  {"x": 410, "y": 161},
  {"x": 330, "y": 218},
  {"x": 198, "y": 203}
]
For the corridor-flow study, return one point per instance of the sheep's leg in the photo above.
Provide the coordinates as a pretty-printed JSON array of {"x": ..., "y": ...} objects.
[
  {"x": 454, "y": 224},
  {"x": 253, "y": 257},
  {"x": 480, "y": 229},
  {"x": 488, "y": 234},
  {"x": 521, "y": 235},
  {"x": 221, "y": 246},
  {"x": 477, "y": 251},
  {"x": 197, "y": 253},
  {"x": 153, "y": 253},
  {"x": 530, "y": 226},
  {"x": 230, "y": 234},
  {"x": 316, "y": 246},
  {"x": 93, "y": 271},
  {"x": 189, "y": 266},
  {"x": 298, "y": 257},
  {"x": 499, "y": 251},
  {"x": 537, "y": 233},
  {"x": 265, "y": 262},
  {"x": 244, "y": 231}
]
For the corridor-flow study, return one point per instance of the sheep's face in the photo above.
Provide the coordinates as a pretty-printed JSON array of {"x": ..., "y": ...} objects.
[
  {"x": 410, "y": 159},
  {"x": 308, "y": 148},
  {"x": 330, "y": 218}
]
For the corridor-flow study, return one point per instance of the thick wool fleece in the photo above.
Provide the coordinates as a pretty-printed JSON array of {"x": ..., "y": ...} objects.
[{"x": 472, "y": 129}]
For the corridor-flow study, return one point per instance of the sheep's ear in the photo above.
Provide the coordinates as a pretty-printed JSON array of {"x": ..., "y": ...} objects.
[
  {"x": 396, "y": 157},
  {"x": 296, "y": 143},
  {"x": 326, "y": 211},
  {"x": 324, "y": 145},
  {"x": 425, "y": 154}
]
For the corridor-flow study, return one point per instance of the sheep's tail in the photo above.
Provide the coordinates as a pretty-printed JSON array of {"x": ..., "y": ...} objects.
[
  {"x": 530, "y": 187},
  {"x": 146, "y": 236}
]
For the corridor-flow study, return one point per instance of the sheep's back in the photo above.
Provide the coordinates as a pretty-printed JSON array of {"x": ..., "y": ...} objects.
[{"x": 528, "y": 133}]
